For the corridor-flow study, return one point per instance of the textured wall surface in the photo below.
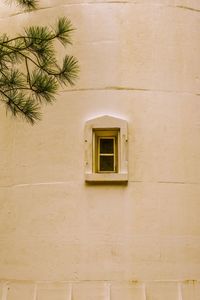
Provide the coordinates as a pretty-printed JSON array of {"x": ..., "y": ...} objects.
[{"x": 139, "y": 61}]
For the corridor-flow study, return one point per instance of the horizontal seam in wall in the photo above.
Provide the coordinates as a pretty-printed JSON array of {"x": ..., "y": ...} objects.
[
  {"x": 192, "y": 9},
  {"x": 7, "y": 281},
  {"x": 21, "y": 185},
  {"x": 123, "y": 88}
]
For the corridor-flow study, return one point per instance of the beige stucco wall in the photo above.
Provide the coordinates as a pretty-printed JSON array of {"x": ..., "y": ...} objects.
[{"x": 139, "y": 60}]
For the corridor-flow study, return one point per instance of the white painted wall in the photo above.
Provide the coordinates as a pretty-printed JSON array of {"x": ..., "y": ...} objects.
[{"x": 139, "y": 61}]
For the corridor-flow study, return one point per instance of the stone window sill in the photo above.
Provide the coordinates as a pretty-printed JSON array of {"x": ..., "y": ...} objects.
[{"x": 111, "y": 177}]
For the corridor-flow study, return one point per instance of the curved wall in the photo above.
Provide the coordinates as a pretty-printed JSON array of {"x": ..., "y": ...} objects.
[{"x": 139, "y": 61}]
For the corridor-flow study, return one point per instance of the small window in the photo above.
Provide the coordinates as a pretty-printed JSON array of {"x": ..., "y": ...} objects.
[
  {"x": 105, "y": 151},
  {"x": 106, "y": 156},
  {"x": 106, "y": 143}
]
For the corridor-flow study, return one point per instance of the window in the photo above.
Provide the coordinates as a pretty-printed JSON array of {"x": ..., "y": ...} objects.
[{"x": 106, "y": 149}]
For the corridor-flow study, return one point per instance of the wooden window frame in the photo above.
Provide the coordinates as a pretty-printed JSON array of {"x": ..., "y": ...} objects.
[{"x": 99, "y": 134}]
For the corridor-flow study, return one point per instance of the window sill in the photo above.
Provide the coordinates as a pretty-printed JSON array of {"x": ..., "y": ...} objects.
[{"x": 108, "y": 177}]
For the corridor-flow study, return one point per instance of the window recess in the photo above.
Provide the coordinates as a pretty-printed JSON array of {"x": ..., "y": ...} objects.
[{"x": 106, "y": 149}]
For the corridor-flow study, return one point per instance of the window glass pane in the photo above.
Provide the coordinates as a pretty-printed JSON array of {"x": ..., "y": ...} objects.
[
  {"x": 106, "y": 163},
  {"x": 106, "y": 145}
]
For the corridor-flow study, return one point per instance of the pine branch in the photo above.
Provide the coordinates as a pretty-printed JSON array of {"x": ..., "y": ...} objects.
[
  {"x": 25, "y": 4},
  {"x": 20, "y": 106},
  {"x": 64, "y": 30},
  {"x": 25, "y": 91},
  {"x": 44, "y": 86},
  {"x": 68, "y": 73}
]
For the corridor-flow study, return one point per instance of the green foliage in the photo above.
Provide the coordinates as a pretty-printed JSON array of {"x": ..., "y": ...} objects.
[
  {"x": 29, "y": 71},
  {"x": 26, "y": 4}
]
